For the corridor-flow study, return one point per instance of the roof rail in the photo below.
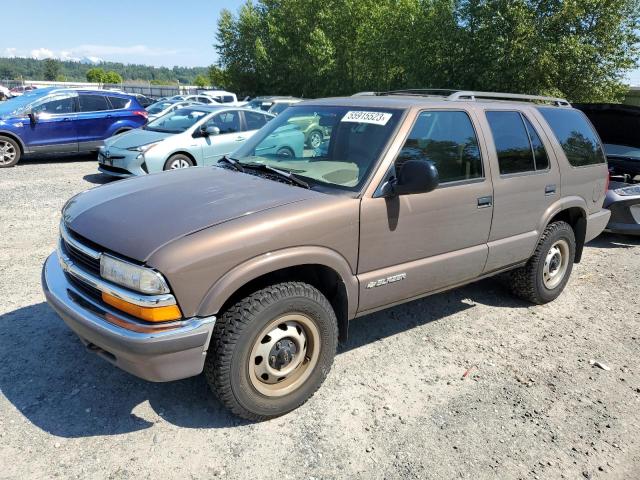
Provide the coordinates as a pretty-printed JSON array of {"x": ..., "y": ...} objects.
[{"x": 471, "y": 95}]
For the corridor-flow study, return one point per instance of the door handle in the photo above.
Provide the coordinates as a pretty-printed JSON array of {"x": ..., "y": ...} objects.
[
  {"x": 239, "y": 139},
  {"x": 550, "y": 189},
  {"x": 484, "y": 202},
  {"x": 67, "y": 119}
]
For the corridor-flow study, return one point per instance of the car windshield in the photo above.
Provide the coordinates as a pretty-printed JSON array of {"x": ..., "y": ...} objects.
[
  {"x": 278, "y": 108},
  {"x": 159, "y": 107},
  {"x": 327, "y": 146},
  {"x": 18, "y": 104},
  {"x": 177, "y": 122}
]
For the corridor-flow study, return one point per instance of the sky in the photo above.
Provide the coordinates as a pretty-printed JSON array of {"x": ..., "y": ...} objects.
[{"x": 151, "y": 32}]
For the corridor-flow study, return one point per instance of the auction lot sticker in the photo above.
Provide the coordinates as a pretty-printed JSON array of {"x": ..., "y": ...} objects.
[{"x": 376, "y": 118}]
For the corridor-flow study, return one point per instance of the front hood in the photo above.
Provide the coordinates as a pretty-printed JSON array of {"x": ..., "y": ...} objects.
[
  {"x": 135, "y": 138},
  {"x": 137, "y": 216}
]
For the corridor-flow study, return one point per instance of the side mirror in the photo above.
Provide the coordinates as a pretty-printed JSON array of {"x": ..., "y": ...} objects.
[
  {"x": 416, "y": 176},
  {"x": 33, "y": 116},
  {"x": 209, "y": 131}
]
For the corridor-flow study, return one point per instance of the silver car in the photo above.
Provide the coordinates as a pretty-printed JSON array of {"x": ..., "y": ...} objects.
[
  {"x": 195, "y": 135},
  {"x": 158, "y": 109}
]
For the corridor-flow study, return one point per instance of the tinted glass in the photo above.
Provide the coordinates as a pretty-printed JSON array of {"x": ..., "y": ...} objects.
[
  {"x": 120, "y": 102},
  {"x": 227, "y": 122},
  {"x": 227, "y": 99},
  {"x": 56, "y": 105},
  {"x": 576, "y": 135},
  {"x": 254, "y": 121},
  {"x": 93, "y": 103},
  {"x": 279, "y": 108},
  {"x": 328, "y": 146},
  {"x": 540, "y": 154},
  {"x": 512, "y": 142},
  {"x": 448, "y": 140}
]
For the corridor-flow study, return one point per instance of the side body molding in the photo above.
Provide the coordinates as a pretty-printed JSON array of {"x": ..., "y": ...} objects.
[{"x": 270, "y": 262}]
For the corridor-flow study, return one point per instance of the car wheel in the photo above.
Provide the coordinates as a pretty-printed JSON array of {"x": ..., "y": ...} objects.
[
  {"x": 315, "y": 138},
  {"x": 272, "y": 350},
  {"x": 285, "y": 152},
  {"x": 547, "y": 272},
  {"x": 9, "y": 152},
  {"x": 178, "y": 161}
]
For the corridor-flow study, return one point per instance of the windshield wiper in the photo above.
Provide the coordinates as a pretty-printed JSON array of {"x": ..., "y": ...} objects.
[
  {"x": 235, "y": 164},
  {"x": 281, "y": 173}
]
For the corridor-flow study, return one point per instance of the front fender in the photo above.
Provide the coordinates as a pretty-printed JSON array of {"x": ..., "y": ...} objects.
[{"x": 271, "y": 262}]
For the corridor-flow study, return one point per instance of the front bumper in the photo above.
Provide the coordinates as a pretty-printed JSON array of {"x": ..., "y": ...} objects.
[
  {"x": 121, "y": 163},
  {"x": 156, "y": 356}
]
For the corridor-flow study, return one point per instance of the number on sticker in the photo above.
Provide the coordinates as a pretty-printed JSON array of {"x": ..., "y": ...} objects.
[{"x": 375, "y": 118}]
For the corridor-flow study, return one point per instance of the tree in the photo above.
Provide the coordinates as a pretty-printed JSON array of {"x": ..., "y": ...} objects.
[
  {"x": 200, "y": 81},
  {"x": 95, "y": 75},
  {"x": 580, "y": 49},
  {"x": 51, "y": 69},
  {"x": 217, "y": 77},
  {"x": 112, "y": 77}
]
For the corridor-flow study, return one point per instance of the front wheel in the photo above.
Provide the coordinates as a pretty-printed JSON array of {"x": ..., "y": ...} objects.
[
  {"x": 9, "y": 152},
  {"x": 272, "y": 350},
  {"x": 178, "y": 161},
  {"x": 315, "y": 138},
  {"x": 547, "y": 272}
]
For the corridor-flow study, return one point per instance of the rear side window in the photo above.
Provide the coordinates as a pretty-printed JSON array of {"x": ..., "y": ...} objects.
[
  {"x": 93, "y": 103},
  {"x": 576, "y": 136},
  {"x": 227, "y": 99},
  {"x": 448, "y": 140},
  {"x": 517, "y": 143},
  {"x": 120, "y": 102},
  {"x": 254, "y": 120}
]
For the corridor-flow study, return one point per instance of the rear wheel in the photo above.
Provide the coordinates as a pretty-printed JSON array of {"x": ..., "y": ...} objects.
[
  {"x": 547, "y": 272},
  {"x": 285, "y": 152},
  {"x": 178, "y": 161},
  {"x": 272, "y": 350},
  {"x": 9, "y": 152},
  {"x": 314, "y": 140}
]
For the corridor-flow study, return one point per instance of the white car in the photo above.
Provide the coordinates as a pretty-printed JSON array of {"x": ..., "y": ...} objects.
[
  {"x": 221, "y": 96},
  {"x": 279, "y": 105},
  {"x": 159, "y": 109},
  {"x": 4, "y": 93}
]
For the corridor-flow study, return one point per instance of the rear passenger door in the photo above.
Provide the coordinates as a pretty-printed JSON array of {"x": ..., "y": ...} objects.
[
  {"x": 426, "y": 242},
  {"x": 526, "y": 181},
  {"x": 93, "y": 121}
]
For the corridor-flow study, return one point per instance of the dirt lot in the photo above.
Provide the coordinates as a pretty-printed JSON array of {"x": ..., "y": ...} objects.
[{"x": 395, "y": 405}]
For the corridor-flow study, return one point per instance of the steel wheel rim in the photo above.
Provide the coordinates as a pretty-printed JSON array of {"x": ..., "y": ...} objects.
[
  {"x": 179, "y": 163},
  {"x": 555, "y": 264},
  {"x": 315, "y": 139},
  {"x": 270, "y": 348},
  {"x": 7, "y": 152}
]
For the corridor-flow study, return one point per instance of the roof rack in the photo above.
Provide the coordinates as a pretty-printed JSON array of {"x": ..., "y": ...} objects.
[{"x": 459, "y": 95}]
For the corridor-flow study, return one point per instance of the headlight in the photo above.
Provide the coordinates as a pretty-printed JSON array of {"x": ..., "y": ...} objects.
[
  {"x": 143, "y": 148},
  {"x": 628, "y": 191},
  {"x": 132, "y": 276}
]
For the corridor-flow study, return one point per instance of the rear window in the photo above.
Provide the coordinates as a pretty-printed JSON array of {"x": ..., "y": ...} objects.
[
  {"x": 120, "y": 102},
  {"x": 93, "y": 103},
  {"x": 576, "y": 135}
]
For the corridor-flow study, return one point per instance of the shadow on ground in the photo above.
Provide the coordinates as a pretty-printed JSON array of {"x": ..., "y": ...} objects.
[
  {"x": 61, "y": 388},
  {"x": 73, "y": 157},
  {"x": 613, "y": 240}
]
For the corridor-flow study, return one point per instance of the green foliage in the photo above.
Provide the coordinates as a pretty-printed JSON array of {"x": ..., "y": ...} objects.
[
  {"x": 51, "y": 69},
  {"x": 201, "y": 81},
  {"x": 217, "y": 77},
  {"x": 112, "y": 77},
  {"x": 31, "y": 69},
  {"x": 95, "y": 75},
  {"x": 580, "y": 49}
]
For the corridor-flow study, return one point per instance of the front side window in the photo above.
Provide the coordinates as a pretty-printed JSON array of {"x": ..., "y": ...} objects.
[
  {"x": 518, "y": 145},
  {"x": 329, "y": 147},
  {"x": 575, "y": 134},
  {"x": 255, "y": 121},
  {"x": 446, "y": 139},
  {"x": 177, "y": 121},
  {"x": 227, "y": 122},
  {"x": 56, "y": 105},
  {"x": 93, "y": 103}
]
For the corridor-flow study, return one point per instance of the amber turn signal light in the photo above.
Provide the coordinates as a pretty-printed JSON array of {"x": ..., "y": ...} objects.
[{"x": 149, "y": 314}]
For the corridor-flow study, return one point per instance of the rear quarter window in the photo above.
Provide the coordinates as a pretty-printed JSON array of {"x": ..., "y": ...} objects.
[
  {"x": 120, "y": 102},
  {"x": 575, "y": 134}
]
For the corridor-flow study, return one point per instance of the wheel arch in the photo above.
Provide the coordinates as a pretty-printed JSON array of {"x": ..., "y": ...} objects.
[
  {"x": 322, "y": 268},
  {"x": 185, "y": 153},
  {"x": 572, "y": 210},
  {"x": 16, "y": 138}
]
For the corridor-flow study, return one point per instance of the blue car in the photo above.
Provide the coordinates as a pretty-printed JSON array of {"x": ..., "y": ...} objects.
[{"x": 64, "y": 121}]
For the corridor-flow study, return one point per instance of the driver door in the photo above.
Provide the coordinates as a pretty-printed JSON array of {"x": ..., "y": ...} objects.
[
  {"x": 55, "y": 128},
  {"x": 229, "y": 138}
]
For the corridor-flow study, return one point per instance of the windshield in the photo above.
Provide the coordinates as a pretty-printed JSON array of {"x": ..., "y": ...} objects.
[
  {"x": 278, "y": 108},
  {"x": 18, "y": 104},
  {"x": 327, "y": 146},
  {"x": 177, "y": 122},
  {"x": 159, "y": 106}
]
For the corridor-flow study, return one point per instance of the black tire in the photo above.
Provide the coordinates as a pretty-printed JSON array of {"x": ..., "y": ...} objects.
[
  {"x": 528, "y": 282},
  {"x": 315, "y": 138},
  {"x": 285, "y": 152},
  {"x": 241, "y": 328},
  {"x": 9, "y": 152},
  {"x": 178, "y": 158}
]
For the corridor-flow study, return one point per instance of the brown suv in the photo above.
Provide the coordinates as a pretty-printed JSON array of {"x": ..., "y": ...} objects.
[{"x": 251, "y": 270}]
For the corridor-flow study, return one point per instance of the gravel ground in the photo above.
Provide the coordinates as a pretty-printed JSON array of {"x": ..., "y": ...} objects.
[{"x": 396, "y": 405}]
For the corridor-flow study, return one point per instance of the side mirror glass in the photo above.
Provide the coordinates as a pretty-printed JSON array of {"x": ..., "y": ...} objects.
[
  {"x": 212, "y": 131},
  {"x": 416, "y": 176}
]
